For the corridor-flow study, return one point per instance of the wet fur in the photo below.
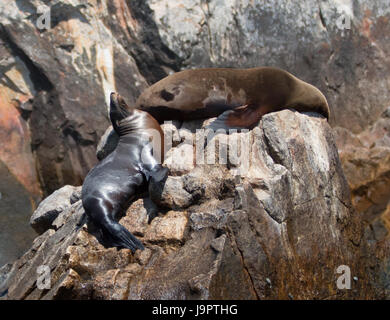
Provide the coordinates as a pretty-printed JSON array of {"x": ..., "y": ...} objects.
[{"x": 114, "y": 183}]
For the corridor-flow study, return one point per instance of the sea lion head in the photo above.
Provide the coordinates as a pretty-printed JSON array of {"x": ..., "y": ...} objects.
[
  {"x": 128, "y": 120},
  {"x": 306, "y": 97},
  {"x": 317, "y": 99},
  {"x": 153, "y": 98},
  {"x": 122, "y": 116},
  {"x": 119, "y": 109}
]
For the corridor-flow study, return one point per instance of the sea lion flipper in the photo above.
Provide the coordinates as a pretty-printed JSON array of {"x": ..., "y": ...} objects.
[
  {"x": 123, "y": 238},
  {"x": 159, "y": 173},
  {"x": 239, "y": 118},
  {"x": 157, "y": 183},
  {"x": 114, "y": 234}
]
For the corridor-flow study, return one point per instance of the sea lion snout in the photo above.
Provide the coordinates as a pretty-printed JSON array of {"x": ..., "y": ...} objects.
[
  {"x": 117, "y": 101},
  {"x": 119, "y": 109},
  {"x": 113, "y": 95}
]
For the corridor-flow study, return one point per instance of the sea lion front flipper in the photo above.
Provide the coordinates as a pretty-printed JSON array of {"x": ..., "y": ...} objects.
[
  {"x": 158, "y": 177},
  {"x": 159, "y": 173},
  {"x": 245, "y": 117},
  {"x": 152, "y": 210}
]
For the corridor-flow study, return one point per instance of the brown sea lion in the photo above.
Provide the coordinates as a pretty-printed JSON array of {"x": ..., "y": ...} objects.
[
  {"x": 114, "y": 182},
  {"x": 246, "y": 95}
]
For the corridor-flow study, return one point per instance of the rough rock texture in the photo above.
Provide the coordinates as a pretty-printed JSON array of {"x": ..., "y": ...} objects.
[
  {"x": 366, "y": 162},
  {"x": 273, "y": 221},
  {"x": 16, "y": 207},
  {"x": 347, "y": 59},
  {"x": 68, "y": 71},
  {"x": 55, "y": 82},
  {"x": 49, "y": 209}
]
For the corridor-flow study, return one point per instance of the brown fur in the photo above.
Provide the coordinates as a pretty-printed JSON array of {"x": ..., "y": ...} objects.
[{"x": 250, "y": 93}]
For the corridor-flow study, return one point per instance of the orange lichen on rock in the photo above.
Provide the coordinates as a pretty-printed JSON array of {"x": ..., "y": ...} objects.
[{"x": 15, "y": 149}]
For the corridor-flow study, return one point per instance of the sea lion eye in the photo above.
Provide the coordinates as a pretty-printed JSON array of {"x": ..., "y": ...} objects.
[{"x": 167, "y": 96}]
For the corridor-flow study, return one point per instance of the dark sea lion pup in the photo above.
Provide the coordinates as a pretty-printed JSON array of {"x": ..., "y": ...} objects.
[
  {"x": 113, "y": 183},
  {"x": 239, "y": 96}
]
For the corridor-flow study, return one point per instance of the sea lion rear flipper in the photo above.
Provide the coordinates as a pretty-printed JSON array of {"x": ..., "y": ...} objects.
[
  {"x": 114, "y": 234},
  {"x": 121, "y": 237},
  {"x": 244, "y": 117}
]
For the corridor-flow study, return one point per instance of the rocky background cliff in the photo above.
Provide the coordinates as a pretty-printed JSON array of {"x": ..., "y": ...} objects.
[{"x": 55, "y": 81}]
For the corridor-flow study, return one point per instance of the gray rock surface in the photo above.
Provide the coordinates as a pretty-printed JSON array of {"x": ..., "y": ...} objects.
[
  {"x": 277, "y": 228},
  {"x": 49, "y": 209}
]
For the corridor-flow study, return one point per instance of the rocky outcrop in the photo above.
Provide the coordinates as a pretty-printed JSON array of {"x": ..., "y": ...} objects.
[
  {"x": 68, "y": 69},
  {"x": 341, "y": 47},
  {"x": 55, "y": 81},
  {"x": 271, "y": 220},
  {"x": 55, "y": 77}
]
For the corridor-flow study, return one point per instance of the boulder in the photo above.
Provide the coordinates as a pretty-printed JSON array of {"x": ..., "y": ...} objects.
[
  {"x": 49, "y": 209},
  {"x": 271, "y": 220}
]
